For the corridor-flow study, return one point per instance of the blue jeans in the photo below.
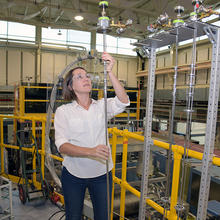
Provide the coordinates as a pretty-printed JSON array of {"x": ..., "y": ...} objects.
[{"x": 74, "y": 191}]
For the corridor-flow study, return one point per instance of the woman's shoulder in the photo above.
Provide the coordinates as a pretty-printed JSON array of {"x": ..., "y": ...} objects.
[{"x": 65, "y": 106}]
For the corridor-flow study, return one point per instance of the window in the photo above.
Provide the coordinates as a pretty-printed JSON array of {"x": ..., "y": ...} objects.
[
  {"x": 17, "y": 31},
  {"x": 125, "y": 47},
  {"x": 117, "y": 45},
  {"x": 53, "y": 36},
  {"x": 80, "y": 38},
  {"x": 69, "y": 38},
  {"x": 3, "y": 29}
]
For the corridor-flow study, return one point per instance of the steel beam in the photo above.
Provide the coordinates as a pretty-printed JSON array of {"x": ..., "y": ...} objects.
[
  {"x": 147, "y": 135},
  {"x": 214, "y": 35}
]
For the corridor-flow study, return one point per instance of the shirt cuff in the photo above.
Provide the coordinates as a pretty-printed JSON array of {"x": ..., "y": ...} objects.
[
  {"x": 121, "y": 104},
  {"x": 60, "y": 142}
]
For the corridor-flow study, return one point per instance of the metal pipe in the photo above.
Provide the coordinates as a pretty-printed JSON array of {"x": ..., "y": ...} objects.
[
  {"x": 43, "y": 150},
  {"x": 175, "y": 184},
  {"x": 123, "y": 176},
  {"x": 114, "y": 144},
  {"x": 106, "y": 119},
  {"x": 171, "y": 139},
  {"x": 189, "y": 111}
]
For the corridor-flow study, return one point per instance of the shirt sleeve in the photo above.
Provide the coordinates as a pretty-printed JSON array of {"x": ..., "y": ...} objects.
[
  {"x": 115, "y": 106},
  {"x": 60, "y": 128}
]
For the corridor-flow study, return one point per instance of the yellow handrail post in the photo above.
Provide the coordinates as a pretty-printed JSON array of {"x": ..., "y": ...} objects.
[
  {"x": 2, "y": 147},
  {"x": 43, "y": 149},
  {"x": 114, "y": 143},
  {"x": 175, "y": 182},
  {"x": 34, "y": 151},
  {"x": 124, "y": 174}
]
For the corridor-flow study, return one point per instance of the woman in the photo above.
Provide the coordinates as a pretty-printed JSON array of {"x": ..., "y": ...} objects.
[{"x": 80, "y": 136}]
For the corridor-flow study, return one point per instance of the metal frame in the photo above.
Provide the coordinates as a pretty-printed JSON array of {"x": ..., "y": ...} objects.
[
  {"x": 8, "y": 213},
  {"x": 178, "y": 151},
  {"x": 168, "y": 38},
  {"x": 148, "y": 141},
  {"x": 214, "y": 35}
]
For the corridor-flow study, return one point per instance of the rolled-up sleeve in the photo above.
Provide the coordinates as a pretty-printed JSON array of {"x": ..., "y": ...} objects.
[
  {"x": 115, "y": 106},
  {"x": 60, "y": 128}
]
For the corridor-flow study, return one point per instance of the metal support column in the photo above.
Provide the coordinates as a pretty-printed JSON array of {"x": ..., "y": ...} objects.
[
  {"x": 214, "y": 36},
  {"x": 148, "y": 130}
]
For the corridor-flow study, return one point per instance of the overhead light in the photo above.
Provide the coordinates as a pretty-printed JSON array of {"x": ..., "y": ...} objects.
[
  {"x": 59, "y": 33},
  {"x": 79, "y": 17}
]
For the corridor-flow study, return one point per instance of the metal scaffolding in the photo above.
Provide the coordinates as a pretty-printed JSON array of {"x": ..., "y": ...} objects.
[{"x": 166, "y": 38}]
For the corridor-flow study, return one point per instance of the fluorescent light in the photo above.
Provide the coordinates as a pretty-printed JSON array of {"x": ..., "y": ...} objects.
[{"x": 78, "y": 17}]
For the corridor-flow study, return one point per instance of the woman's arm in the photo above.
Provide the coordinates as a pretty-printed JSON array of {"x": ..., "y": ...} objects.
[
  {"x": 101, "y": 151},
  {"x": 119, "y": 89}
]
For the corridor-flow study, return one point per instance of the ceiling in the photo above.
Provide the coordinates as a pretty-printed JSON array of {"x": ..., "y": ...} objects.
[{"x": 60, "y": 13}]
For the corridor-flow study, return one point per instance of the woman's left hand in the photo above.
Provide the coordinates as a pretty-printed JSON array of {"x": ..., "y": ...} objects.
[{"x": 110, "y": 61}]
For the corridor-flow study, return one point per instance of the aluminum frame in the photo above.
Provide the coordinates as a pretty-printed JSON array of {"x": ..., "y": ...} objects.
[
  {"x": 147, "y": 140},
  {"x": 165, "y": 38},
  {"x": 211, "y": 120}
]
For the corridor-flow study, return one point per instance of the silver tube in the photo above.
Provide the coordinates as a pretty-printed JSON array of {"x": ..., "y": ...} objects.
[
  {"x": 171, "y": 121},
  {"x": 106, "y": 120},
  {"x": 189, "y": 111}
]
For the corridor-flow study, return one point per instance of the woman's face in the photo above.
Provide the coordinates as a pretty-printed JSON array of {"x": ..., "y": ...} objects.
[{"x": 81, "y": 81}]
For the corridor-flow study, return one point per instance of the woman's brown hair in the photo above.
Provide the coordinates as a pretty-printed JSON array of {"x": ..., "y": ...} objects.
[{"x": 68, "y": 92}]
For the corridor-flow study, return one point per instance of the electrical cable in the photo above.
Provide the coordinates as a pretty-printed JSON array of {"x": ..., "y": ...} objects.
[
  {"x": 55, "y": 213},
  {"x": 62, "y": 216}
]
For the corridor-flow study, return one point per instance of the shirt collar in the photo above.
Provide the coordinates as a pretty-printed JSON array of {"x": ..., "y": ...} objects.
[{"x": 75, "y": 103}]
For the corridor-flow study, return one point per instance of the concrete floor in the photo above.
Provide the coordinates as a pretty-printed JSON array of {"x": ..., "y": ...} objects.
[{"x": 34, "y": 210}]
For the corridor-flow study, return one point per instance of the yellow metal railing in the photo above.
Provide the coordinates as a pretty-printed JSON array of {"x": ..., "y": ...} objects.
[
  {"x": 178, "y": 151},
  {"x": 41, "y": 151},
  {"x": 21, "y": 100}
]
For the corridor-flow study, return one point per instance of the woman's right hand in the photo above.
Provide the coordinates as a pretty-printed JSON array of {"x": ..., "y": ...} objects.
[{"x": 101, "y": 151}]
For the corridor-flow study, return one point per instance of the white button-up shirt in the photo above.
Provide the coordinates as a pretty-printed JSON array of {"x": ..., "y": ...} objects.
[{"x": 85, "y": 128}]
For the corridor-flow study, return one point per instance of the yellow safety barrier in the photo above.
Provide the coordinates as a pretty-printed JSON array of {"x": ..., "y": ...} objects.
[{"x": 178, "y": 151}]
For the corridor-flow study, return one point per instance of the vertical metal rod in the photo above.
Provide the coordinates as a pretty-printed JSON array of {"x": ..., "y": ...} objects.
[
  {"x": 147, "y": 135},
  {"x": 189, "y": 111},
  {"x": 210, "y": 128},
  {"x": 106, "y": 120},
  {"x": 171, "y": 121}
]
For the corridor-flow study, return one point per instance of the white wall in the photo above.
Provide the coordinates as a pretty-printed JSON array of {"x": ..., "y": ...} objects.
[{"x": 20, "y": 65}]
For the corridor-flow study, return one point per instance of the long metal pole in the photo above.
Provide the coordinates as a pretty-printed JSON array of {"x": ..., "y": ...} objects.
[
  {"x": 171, "y": 121},
  {"x": 147, "y": 136},
  {"x": 210, "y": 125},
  {"x": 106, "y": 120},
  {"x": 189, "y": 111}
]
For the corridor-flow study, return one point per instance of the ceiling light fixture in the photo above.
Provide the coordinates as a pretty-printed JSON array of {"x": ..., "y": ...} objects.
[
  {"x": 79, "y": 17},
  {"x": 59, "y": 33}
]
